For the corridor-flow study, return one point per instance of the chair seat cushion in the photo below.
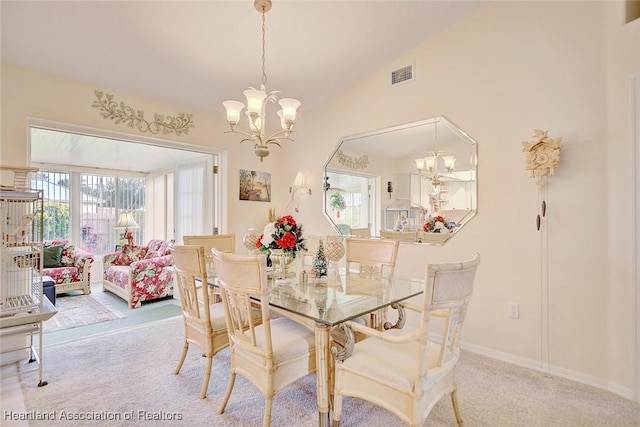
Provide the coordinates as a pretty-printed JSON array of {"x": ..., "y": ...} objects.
[
  {"x": 216, "y": 313},
  {"x": 118, "y": 274},
  {"x": 395, "y": 363},
  {"x": 289, "y": 339},
  {"x": 62, "y": 274}
]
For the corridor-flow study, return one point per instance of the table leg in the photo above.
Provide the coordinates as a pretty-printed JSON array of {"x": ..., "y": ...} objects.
[{"x": 322, "y": 372}]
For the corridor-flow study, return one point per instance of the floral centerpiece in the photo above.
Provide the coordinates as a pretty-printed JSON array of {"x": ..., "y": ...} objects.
[
  {"x": 437, "y": 224},
  {"x": 285, "y": 234}
]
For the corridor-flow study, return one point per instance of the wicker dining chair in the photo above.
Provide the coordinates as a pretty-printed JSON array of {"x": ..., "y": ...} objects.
[
  {"x": 271, "y": 355},
  {"x": 408, "y": 372},
  {"x": 372, "y": 257},
  {"x": 222, "y": 242},
  {"x": 204, "y": 323}
]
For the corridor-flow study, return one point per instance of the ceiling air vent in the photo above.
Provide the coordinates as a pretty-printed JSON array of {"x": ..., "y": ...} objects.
[{"x": 402, "y": 75}]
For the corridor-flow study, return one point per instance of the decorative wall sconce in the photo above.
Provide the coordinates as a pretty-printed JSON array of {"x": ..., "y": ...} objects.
[
  {"x": 298, "y": 186},
  {"x": 542, "y": 157},
  {"x": 389, "y": 188}
]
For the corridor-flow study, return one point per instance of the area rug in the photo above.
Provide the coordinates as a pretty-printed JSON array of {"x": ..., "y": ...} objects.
[
  {"x": 79, "y": 310},
  {"x": 125, "y": 378}
]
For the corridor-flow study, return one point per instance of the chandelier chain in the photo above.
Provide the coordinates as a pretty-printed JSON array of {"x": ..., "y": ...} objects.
[{"x": 264, "y": 72}]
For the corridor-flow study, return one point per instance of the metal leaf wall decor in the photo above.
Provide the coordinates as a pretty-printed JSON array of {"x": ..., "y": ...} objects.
[
  {"x": 121, "y": 113},
  {"x": 353, "y": 163}
]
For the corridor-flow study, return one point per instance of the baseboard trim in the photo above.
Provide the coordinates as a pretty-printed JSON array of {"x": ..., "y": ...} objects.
[{"x": 569, "y": 374}]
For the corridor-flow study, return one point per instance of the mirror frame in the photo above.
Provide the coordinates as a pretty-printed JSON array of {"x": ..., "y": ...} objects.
[{"x": 406, "y": 144}]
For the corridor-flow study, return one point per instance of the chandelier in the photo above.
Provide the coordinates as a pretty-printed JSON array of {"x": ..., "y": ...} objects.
[
  {"x": 430, "y": 163},
  {"x": 256, "y": 105}
]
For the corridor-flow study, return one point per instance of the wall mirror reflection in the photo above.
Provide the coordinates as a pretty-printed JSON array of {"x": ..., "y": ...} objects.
[{"x": 414, "y": 182}]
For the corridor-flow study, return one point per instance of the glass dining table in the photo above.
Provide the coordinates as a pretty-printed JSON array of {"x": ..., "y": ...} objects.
[{"x": 326, "y": 304}]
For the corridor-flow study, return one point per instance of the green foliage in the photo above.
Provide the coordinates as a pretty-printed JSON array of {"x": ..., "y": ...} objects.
[
  {"x": 55, "y": 221},
  {"x": 337, "y": 202}
]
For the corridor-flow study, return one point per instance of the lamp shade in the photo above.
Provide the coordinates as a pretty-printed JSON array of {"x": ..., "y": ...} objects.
[
  {"x": 233, "y": 110},
  {"x": 298, "y": 182},
  {"x": 125, "y": 220},
  {"x": 449, "y": 162},
  {"x": 289, "y": 108},
  {"x": 255, "y": 98},
  {"x": 430, "y": 162}
]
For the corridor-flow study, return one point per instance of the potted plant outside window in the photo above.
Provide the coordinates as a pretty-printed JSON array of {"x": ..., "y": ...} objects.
[{"x": 337, "y": 203}]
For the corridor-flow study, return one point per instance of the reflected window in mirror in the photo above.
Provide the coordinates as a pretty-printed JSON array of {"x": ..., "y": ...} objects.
[
  {"x": 432, "y": 165},
  {"x": 348, "y": 199}
]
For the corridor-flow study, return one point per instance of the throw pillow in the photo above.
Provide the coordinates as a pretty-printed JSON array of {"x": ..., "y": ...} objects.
[
  {"x": 152, "y": 254},
  {"x": 131, "y": 253},
  {"x": 67, "y": 259},
  {"x": 52, "y": 256}
]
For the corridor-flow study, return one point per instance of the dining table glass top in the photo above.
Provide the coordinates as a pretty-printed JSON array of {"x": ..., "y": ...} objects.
[{"x": 339, "y": 297}]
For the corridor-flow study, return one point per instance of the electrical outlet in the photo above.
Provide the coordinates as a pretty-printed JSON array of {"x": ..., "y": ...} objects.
[{"x": 513, "y": 310}]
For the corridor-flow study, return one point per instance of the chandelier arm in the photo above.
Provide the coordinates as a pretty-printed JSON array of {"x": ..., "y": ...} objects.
[
  {"x": 252, "y": 136},
  {"x": 281, "y": 134}
]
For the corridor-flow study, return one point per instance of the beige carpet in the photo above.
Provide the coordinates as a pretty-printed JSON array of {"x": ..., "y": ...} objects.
[
  {"x": 130, "y": 373},
  {"x": 79, "y": 310}
]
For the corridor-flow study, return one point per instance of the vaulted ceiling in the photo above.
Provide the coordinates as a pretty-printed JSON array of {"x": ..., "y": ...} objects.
[{"x": 198, "y": 53}]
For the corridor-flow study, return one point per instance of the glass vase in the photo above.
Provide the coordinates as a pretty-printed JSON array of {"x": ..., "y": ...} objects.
[
  {"x": 249, "y": 240},
  {"x": 334, "y": 250}
]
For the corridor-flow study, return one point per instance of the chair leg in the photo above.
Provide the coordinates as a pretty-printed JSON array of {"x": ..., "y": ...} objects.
[
  {"x": 456, "y": 408},
  {"x": 207, "y": 375},
  {"x": 225, "y": 399},
  {"x": 266, "y": 420},
  {"x": 337, "y": 409},
  {"x": 185, "y": 348}
]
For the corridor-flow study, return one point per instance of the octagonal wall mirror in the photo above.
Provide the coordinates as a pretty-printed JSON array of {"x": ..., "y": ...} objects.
[{"x": 415, "y": 182}]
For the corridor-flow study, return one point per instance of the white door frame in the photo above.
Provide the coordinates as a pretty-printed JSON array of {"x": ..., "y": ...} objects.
[{"x": 635, "y": 131}]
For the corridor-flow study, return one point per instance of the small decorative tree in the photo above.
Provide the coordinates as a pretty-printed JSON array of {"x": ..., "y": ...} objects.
[{"x": 320, "y": 264}]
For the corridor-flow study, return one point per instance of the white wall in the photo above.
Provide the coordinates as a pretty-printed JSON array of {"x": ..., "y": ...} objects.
[
  {"x": 505, "y": 70},
  {"x": 27, "y": 93}
]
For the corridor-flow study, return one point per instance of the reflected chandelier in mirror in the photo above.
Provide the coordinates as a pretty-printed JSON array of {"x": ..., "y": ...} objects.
[{"x": 432, "y": 165}]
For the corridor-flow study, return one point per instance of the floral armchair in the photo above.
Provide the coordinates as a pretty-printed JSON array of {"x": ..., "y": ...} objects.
[
  {"x": 139, "y": 273},
  {"x": 68, "y": 266}
]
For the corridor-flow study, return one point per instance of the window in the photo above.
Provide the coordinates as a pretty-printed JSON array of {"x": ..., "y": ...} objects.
[
  {"x": 56, "y": 195},
  {"x": 101, "y": 199},
  {"x": 154, "y": 180}
]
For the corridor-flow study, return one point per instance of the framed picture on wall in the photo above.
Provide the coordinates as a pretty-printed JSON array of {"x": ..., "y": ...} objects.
[{"x": 255, "y": 186}]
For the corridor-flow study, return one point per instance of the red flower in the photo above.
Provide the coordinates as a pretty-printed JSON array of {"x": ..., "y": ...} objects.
[
  {"x": 287, "y": 241},
  {"x": 288, "y": 219},
  {"x": 259, "y": 241}
]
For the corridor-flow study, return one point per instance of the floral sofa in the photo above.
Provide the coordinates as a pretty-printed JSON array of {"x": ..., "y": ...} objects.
[
  {"x": 68, "y": 266},
  {"x": 139, "y": 273}
]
